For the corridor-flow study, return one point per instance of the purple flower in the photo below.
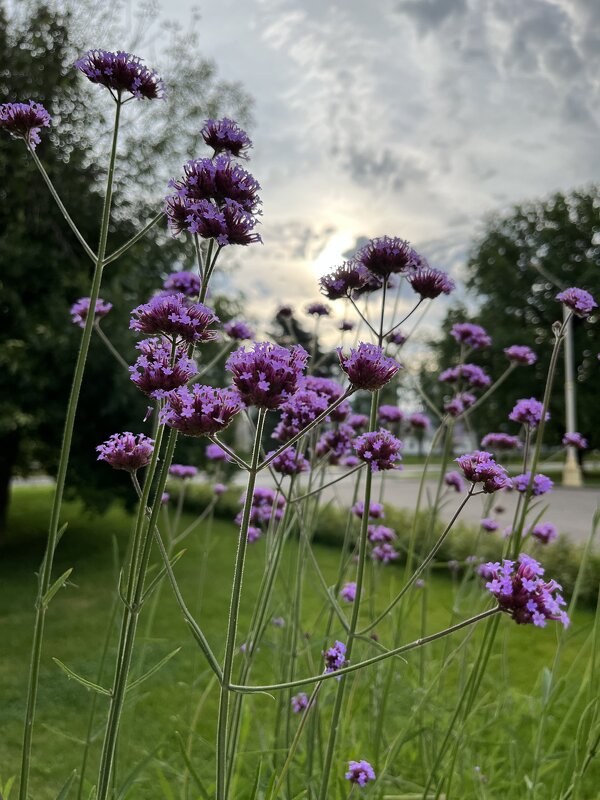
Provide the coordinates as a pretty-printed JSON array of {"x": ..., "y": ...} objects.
[
  {"x": 238, "y": 330},
  {"x": 290, "y": 462},
  {"x": 267, "y": 375},
  {"x": 521, "y": 591},
  {"x": 528, "y": 412},
  {"x": 397, "y": 338},
  {"x": 266, "y": 504},
  {"x": 367, "y": 367},
  {"x": 348, "y": 592},
  {"x": 325, "y": 387},
  {"x": 335, "y": 657},
  {"x": 335, "y": 443},
  {"x": 183, "y": 471},
  {"x": 187, "y": 283},
  {"x": 579, "y": 301},
  {"x": 81, "y": 308},
  {"x": 219, "y": 489},
  {"x": 459, "y": 403},
  {"x": 346, "y": 325},
  {"x": 174, "y": 315},
  {"x": 215, "y": 453},
  {"x": 454, "y": 481},
  {"x": 126, "y": 451},
  {"x": 285, "y": 311},
  {"x": 358, "y": 421},
  {"x": 379, "y": 449},
  {"x": 344, "y": 280},
  {"x": 253, "y": 534},
  {"x": 384, "y": 553},
  {"x": 541, "y": 483},
  {"x": 472, "y": 335},
  {"x": 544, "y": 532},
  {"x": 388, "y": 255},
  {"x": 318, "y": 310},
  {"x": 24, "y": 121},
  {"x": 574, "y": 439},
  {"x": 489, "y": 525},
  {"x": 471, "y": 373},
  {"x": 419, "y": 421},
  {"x": 430, "y": 283},
  {"x": 520, "y": 354},
  {"x": 299, "y": 703},
  {"x": 380, "y": 533},
  {"x": 121, "y": 72},
  {"x": 500, "y": 441},
  {"x": 228, "y": 224},
  {"x": 480, "y": 467},
  {"x": 376, "y": 510},
  {"x": 298, "y": 412},
  {"x": 390, "y": 414},
  {"x": 201, "y": 411},
  {"x": 278, "y": 622},
  {"x": 360, "y": 772},
  {"x": 350, "y": 461},
  {"x": 156, "y": 371},
  {"x": 225, "y": 135}
]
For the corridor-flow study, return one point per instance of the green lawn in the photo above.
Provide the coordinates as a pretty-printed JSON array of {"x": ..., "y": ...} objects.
[{"x": 501, "y": 730}]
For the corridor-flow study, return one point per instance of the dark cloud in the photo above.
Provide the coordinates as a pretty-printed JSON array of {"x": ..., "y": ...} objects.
[{"x": 430, "y": 14}]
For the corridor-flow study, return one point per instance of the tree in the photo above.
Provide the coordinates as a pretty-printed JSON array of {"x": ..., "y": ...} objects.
[
  {"x": 514, "y": 270},
  {"x": 42, "y": 268}
]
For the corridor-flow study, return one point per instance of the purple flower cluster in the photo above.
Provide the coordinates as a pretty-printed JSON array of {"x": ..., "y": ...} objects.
[
  {"x": 345, "y": 325},
  {"x": 335, "y": 657},
  {"x": 528, "y": 412},
  {"x": 24, "y": 121},
  {"x": 379, "y": 449},
  {"x": 299, "y": 703},
  {"x": 388, "y": 255},
  {"x": 471, "y": 373},
  {"x": 187, "y": 283},
  {"x": 318, "y": 310},
  {"x": 544, "y": 532},
  {"x": 157, "y": 371},
  {"x": 388, "y": 413},
  {"x": 266, "y": 505},
  {"x": 183, "y": 471},
  {"x": 376, "y": 510},
  {"x": 541, "y": 483},
  {"x": 579, "y": 301},
  {"x": 430, "y": 283},
  {"x": 380, "y": 533},
  {"x": 215, "y": 453},
  {"x": 367, "y": 367},
  {"x": 489, "y": 524},
  {"x": 267, "y": 375},
  {"x": 226, "y": 136},
  {"x": 384, "y": 553},
  {"x": 473, "y": 336},
  {"x": 397, "y": 338},
  {"x": 238, "y": 330},
  {"x": 459, "y": 403},
  {"x": 360, "y": 772},
  {"x": 480, "y": 467},
  {"x": 121, "y": 72},
  {"x": 454, "y": 480},
  {"x": 575, "y": 439},
  {"x": 344, "y": 280},
  {"x": 520, "y": 354},
  {"x": 359, "y": 421},
  {"x": 500, "y": 441},
  {"x": 290, "y": 462},
  {"x": 175, "y": 316},
  {"x": 80, "y": 310},
  {"x": 419, "y": 421},
  {"x": 521, "y": 591},
  {"x": 201, "y": 410},
  {"x": 126, "y": 451},
  {"x": 348, "y": 592},
  {"x": 298, "y": 412},
  {"x": 335, "y": 443}
]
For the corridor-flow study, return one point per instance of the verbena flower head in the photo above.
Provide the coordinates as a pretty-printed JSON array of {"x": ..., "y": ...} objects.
[
  {"x": 384, "y": 553},
  {"x": 215, "y": 453},
  {"x": 200, "y": 410},
  {"x": 480, "y": 467},
  {"x": 575, "y": 439},
  {"x": 219, "y": 489},
  {"x": 327, "y": 388},
  {"x": 345, "y": 325},
  {"x": 522, "y": 592},
  {"x": 299, "y": 703},
  {"x": 454, "y": 481},
  {"x": 174, "y": 315},
  {"x": 579, "y": 301},
  {"x": 238, "y": 330},
  {"x": 520, "y": 354},
  {"x": 297, "y": 412},
  {"x": 386, "y": 256},
  {"x": 266, "y": 504},
  {"x": 229, "y": 224},
  {"x": 226, "y": 136},
  {"x": 24, "y": 121},
  {"x": 489, "y": 524},
  {"x": 183, "y": 471},
  {"x": 367, "y": 367},
  {"x": 318, "y": 310},
  {"x": 500, "y": 441},
  {"x": 344, "y": 280},
  {"x": 290, "y": 462},
  {"x": 419, "y": 421},
  {"x": 459, "y": 403},
  {"x": 541, "y": 483},
  {"x": 472, "y": 335},
  {"x": 253, "y": 534},
  {"x": 360, "y": 772},
  {"x": 430, "y": 283},
  {"x": 388, "y": 413},
  {"x": 155, "y": 372},
  {"x": 380, "y": 533},
  {"x": 358, "y": 421},
  {"x": 126, "y": 451},
  {"x": 528, "y": 412},
  {"x": 335, "y": 657},
  {"x": 335, "y": 443},
  {"x": 472, "y": 374},
  {"x": 267, "y": 375},
  {"x": 379, "y": 449},
  {"x": 121, "y": 72},
  {"x": 376, "y": 510},
  {"x": 187, "y": 283},
  {"x": 397, "y": 337},
  {"x": 348, "y": 592},
  {"x": 544, "y": 532},
  {"x": 80, "y": 310}
]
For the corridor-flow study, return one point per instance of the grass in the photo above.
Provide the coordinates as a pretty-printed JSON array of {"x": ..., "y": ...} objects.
[{"x": 499, "y": 738}]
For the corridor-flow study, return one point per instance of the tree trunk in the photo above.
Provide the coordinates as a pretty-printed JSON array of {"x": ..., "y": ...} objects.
[{"x": 9, "y": 449}]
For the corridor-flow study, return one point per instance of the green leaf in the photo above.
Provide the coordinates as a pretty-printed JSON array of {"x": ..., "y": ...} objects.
[
  {"x": 153, "y": 669},
  {"x": 64, "y": 792},
  {"x": 164, "y": 785},
  {"x": 7, "y": 787},
  {"x": 83, "y": 681},
  {"x": 255, "y": 785},
  {"x": 190, "y": 767},
  {"x": 58, "y": 584}
]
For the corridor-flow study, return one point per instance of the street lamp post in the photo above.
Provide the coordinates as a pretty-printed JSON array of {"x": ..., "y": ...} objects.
[{"x": 571, "y": 470}]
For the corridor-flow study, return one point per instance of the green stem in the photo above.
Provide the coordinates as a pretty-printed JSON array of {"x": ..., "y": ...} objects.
[
  {"x": 110, "y": 347},
  {"x": 134, "y": 239},
  {"x": 45, "y": 576}
]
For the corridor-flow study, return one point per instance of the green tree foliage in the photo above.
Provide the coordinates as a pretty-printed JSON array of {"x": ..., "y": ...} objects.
[{"x": 515, "y": 269}]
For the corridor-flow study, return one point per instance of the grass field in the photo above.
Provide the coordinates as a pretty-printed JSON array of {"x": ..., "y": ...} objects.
[{"x": 175, "y": 700}]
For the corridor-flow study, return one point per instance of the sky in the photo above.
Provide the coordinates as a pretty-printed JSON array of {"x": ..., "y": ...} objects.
[{"x": 410, "y": 118}]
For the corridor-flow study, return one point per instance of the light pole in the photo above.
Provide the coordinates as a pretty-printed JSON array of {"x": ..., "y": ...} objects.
[{"x": 571, "y": 470}]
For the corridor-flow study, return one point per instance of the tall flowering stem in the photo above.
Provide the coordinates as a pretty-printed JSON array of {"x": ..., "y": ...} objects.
[
  {"x": 45, "y": 576},
  {"x": 234, "y": 608}
]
